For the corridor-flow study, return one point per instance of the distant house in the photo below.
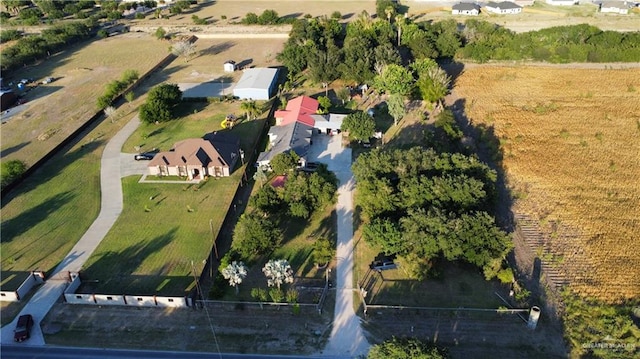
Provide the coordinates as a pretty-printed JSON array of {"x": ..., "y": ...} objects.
[
  {"x": 256, "y": 84},
  {"x": 562, "y": 2},
  {"x": 216, "y": 155},
  {"x": 505, "y": 7},
  {"x": 616, "y": 7},
  {"x": 229, "y": 66},
  {"x": 464, "y": 8}
]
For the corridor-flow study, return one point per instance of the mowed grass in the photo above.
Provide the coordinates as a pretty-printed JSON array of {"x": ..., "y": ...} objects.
[
  {"x": 163, "y": 234},
  {"x": 57, "y": 109},
  {"x": 570, "y": 140}
]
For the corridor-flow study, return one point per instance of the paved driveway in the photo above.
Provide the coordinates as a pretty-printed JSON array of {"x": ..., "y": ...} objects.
[{"x": 347, "y": 337}]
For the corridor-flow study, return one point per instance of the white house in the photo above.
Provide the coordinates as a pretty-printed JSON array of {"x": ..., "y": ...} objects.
[
  {"x": 464, "y": 8},
  {"x": 505, "y": 7},
  {"x": 229, "y": 66},
  {"x": 616, "y": 7},
  {"x": 256, "y": 84},
  {"x": 563, "y": 2}
]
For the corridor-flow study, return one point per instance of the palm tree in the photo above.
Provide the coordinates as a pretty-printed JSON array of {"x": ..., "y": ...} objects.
[
  {"x": 250, "y": 109},
  {"x": 235, "y": 273},
  {"x": 389, "y": 11}
]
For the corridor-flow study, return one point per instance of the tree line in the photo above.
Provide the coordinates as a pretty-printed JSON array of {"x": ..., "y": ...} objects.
[{"x": 426, "y": 206}]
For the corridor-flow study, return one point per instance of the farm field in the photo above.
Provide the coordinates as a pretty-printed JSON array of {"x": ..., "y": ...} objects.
[
  {"x": 57, "y": 109},
  {"x": 570, "y": 143}
]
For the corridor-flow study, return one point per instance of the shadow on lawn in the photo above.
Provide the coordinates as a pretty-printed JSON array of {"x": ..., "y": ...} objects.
[
  {"x": 116, "y": 272},
  {"x": 49, "y": 170}
]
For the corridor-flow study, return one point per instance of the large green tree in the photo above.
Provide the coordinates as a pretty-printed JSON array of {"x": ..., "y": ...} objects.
[
  {"x": 11, "y": 170},
  {"x": 395, "y": 79},
  {"x": 160, "y": 103},
  {"x": 284, "y": 162},
  {"x": 396, "y": 107},
  {"x": 360, "y": 126},
  {"x": 255, "y": 234}
]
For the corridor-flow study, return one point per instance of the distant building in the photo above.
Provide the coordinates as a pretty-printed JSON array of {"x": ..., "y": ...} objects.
[
  {"x": 505, "y": 7},
  {"x": 256, "y": 84},
  {"x": 616, "y": 7},
  {"x": 464, "y": 8},
  {"x": 229, "y": 66},
  {"x": 563, "y": 2}
]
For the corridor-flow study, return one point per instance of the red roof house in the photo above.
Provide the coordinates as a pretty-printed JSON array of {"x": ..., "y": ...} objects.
[{"x": 299, "y": 109}]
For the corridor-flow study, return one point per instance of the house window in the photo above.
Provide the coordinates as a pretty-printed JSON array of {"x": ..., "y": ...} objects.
[
  {"x": 170, "y": 300},
  {"x": 109, "y": 298},
  {"x": 78, "y": 297},
  {"x": 164, "y": 171},
  {"x": 139, "y": 299},
  {"x": 2, "y": 295}
]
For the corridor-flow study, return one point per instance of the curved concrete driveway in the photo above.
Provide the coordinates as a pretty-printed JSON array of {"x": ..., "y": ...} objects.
[
  {"x": 347, "y": 337},
  {"x": 110, "y": 209}
]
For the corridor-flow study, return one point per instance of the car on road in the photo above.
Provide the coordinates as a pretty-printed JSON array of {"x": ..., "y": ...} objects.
[
  {"x": 146, "y": 156},
  {"x": 23, "y": 328}
]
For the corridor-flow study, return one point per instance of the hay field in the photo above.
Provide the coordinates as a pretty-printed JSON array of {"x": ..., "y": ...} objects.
[
  {"x": 571, "y": 144},
  {"x": 57, "y": 109}
]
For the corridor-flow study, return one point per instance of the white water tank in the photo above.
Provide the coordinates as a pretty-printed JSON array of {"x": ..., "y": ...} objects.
[{"x": 534, "y": 315}]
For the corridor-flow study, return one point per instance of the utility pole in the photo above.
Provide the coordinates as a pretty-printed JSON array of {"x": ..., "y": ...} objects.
[{"x": 215, "y": 248}]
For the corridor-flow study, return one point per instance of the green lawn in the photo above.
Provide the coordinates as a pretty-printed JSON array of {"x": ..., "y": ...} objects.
[
  {"x": 48, "y": 213},
  {"x": 165, "y": 228}
]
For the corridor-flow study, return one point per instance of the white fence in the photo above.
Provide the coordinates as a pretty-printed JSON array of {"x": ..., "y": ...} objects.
[
  {"x": 117, "y": 299},
  {"x": 33, "y": 279}
]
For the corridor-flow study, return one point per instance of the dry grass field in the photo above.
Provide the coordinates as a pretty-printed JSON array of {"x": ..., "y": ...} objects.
[
  {"x": 57, "y": 109},
  {"x": 570, "y": 139}
]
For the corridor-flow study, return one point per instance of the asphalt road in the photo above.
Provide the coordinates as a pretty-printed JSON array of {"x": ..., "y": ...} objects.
[{"x": 53, "y": 352}]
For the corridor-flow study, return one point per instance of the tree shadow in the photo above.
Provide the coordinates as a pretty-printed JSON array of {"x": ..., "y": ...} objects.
[
  {"x": 453, "y": 68},
  {"x": 51, "y": 167},
  {"x": 14, "y": 227},
  {"x": 347, "y": 16},
  {"x": 293, "y": 15},
  {"x": 217, "y": 48},
  {"x": 244, "y": 63},
  {"x": 115, "y": 271},
  {"x": 12, "y": 149}
]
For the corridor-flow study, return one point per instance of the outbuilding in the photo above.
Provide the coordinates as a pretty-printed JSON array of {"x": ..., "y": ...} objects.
[
  {"x": 229, "y": 66},
  {"x": 256, "y": 84},
  {"x": 465, "y": 8}
]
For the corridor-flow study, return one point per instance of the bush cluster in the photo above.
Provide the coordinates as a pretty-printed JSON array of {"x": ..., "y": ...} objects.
[{"x": 115, "y": 88}]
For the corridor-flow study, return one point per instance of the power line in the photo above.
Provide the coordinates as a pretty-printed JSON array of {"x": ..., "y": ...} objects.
[{"x": 199, "y": 289}]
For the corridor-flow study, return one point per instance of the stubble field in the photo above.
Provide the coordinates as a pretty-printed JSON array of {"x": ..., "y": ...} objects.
[{"x": 570, "y": 141}]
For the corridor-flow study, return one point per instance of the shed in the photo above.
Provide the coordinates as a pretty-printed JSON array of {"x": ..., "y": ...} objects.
[
  {"x": 229, "y": 66},
  {"x": 256, "y": 84}
]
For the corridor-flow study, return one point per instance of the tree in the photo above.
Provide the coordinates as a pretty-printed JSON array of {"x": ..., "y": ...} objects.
[
  {"x": 325, "y": 104},
  {"x": 360, "y": 126},
  {"x": 284, "y": 162},
  {"x": 235, "y": 273},
  {"x": 11, "y": 170},
  {"x": 250, "y": 109},
  {"x": 129, "y": 96},
  {"x": 160, "y": 33},
  {"x": 396, "y": 108},
  {"x": 395, "y": 79},
  {"x": 255, "y": 234},
  {"x": 434, "y": 84},
  {"x": 184, "y": 48},
  {"x": 266, "y": 200},
  {"x": 160, "y": 103},
  {"x": 278, "y": 272},
  {"x": 344, "y": 94},
  {"x": 410, "y": 348},
  {"x": 384, "y": 8},
  {"x": 322, "y": 251},
  {"x": 260, "y": 176},
  {"x": 389, "y": 11},
  {"x": 109, "y": 111}
]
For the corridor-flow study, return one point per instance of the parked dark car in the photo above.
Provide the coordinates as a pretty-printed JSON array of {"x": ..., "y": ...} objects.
[
  {"x": 146, "y": 156},
  {"x": 23, "y": 328}
]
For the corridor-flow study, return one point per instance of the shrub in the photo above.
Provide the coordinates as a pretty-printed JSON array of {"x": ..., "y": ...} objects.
[
  {"x": 250, "y": 19},
  {"x": 102, "y": 33},
  {"x": 9, "y": 35},
  {"x": 11, "y": 170},
  {"x": 336, "y": 15},
  {"x": 292, "y": 295},
  {"x": 161, "y": 33},
  {"x": 139, "y": 16},
  {"x": 218, "y": 288},
  {"x": 276, "y": 295}
]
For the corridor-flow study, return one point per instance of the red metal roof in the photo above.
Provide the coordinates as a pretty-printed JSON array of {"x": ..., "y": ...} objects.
[{"x": 299, "y": 109}]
